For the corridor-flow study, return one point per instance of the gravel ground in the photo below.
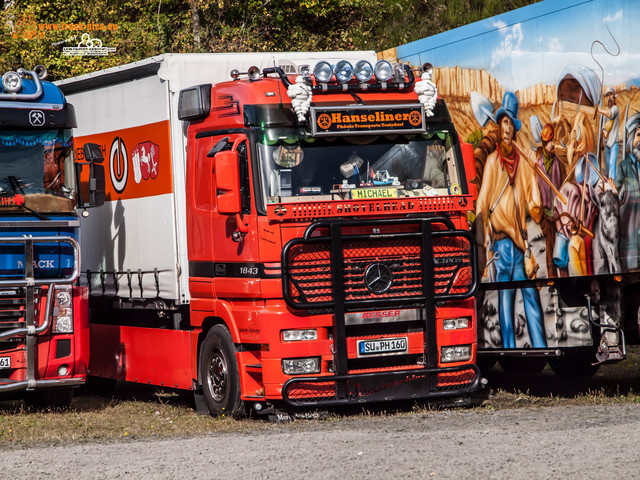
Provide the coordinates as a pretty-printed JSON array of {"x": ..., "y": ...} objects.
[{"x": 549, "y": 442}]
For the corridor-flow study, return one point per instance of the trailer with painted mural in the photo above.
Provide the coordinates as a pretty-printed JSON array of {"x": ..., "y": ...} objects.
[
  {"x": 548, "y": 95},
  {"x": 282, "y": 239},
  {"x": 44, "y": 317}
]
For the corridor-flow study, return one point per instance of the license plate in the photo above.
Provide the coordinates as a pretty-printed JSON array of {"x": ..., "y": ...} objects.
[
  {"x": 5, "y": 362},
  {"x": 382, "y": 346}
]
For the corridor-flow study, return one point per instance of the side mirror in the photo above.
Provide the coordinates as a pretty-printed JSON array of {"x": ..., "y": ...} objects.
[
  {"x": 227, "y": 170},
  {"x": 469, "y": 167},
  {"x": 94, "y": 159}
]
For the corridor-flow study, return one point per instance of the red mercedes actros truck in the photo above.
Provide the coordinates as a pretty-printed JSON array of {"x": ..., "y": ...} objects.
[{"x": 288, "y": 238}]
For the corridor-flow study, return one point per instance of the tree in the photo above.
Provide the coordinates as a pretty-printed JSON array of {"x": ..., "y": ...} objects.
[{"x": 36, "y": 31}]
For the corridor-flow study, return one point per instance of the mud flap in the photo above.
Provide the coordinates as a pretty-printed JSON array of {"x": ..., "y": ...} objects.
[{"x": 198, "y": 397}]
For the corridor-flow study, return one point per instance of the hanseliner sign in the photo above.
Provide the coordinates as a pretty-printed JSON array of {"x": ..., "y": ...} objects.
[{"x": 362, "y": 119}]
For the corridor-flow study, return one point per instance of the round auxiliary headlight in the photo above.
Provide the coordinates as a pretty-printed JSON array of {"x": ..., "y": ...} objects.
[
  {"x": 235, "y": 74},
  {"x": 383, "y": 70},
  {"x": 344, "y": 71},
  {"x": 254, "y": 73},
  {"x": 304, "y": 70},
  {"x": 364, "y": 71},
  {"x": 323, "y": 72},
  {"x": 11, "y": 82}
]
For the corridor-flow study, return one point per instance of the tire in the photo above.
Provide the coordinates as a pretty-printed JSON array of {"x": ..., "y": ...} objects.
[
  {"x": 523, "y": 365},
  {"x": 219, "y": 374},
  {"x": 574, "y": 365},
  {"x": 54, "y": 399}
]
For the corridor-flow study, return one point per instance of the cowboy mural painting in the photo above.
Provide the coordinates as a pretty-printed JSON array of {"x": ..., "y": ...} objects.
[{"x": 548, "y": 96}]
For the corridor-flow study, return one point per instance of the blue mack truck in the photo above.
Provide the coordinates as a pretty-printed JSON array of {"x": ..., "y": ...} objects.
[{"x": 44, "y": 325}]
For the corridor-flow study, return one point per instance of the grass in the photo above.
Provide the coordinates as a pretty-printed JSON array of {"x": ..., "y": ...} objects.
[
  {"x": 161, "y": 414},
  {"x": 142, "y": 412}
]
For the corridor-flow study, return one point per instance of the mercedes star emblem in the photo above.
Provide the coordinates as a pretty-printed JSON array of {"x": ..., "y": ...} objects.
[{"x": 378, "y": 278}]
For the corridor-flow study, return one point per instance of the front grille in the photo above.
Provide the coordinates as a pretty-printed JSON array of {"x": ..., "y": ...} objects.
[
  {"x": 309, "y": 269},
  {"x": 13, "y": 312},
  {"x": 312, "y": 391},
  {"x": 405, "y": 264}
]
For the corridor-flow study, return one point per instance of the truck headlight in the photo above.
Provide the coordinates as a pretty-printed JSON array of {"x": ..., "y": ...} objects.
[
  {"x": 458, "y": 353},
  {"x": 298, "y": 335},
  {"x": 455, "y": 323},
  {"x": 296, "y": 366},
  {"x": 63, "y": 312}
]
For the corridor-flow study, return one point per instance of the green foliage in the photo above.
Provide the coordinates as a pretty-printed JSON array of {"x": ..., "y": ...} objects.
[
  {"x": 36, "y": 31},
  {"x": 406, "y": 21}
]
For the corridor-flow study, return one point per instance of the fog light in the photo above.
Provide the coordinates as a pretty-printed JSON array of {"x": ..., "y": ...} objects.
[
  {"x": 11, "y": 82},
  {"x": 323, "y": 72},
  {"x": 63, "y": 370},
  {"x": 455, "y": 323},
  {"x": 459, "y": 353},
  {"x": 383, "y": 70},
  {"x": 296, "y": 366},
  {"x": 344, "y": 71},
  {"x": 298, "y": 335}
]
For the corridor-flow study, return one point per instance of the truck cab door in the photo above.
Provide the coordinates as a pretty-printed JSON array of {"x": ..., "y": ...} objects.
[{"x": 223, "y": 222}]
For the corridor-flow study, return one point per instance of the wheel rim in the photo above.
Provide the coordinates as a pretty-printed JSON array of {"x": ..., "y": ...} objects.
[{"x": 218, "y": 375}]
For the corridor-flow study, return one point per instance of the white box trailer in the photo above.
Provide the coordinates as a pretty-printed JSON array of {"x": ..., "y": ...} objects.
[{"x": 135, "y": 246}]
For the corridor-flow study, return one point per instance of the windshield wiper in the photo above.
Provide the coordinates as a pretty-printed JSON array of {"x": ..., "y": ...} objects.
[{"x": 35, "y": 213}]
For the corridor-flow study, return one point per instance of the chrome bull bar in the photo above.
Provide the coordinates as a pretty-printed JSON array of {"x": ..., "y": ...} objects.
[{"x": 31, "y": 331}]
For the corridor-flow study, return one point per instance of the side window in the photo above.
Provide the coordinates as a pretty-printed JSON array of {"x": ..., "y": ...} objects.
[
  {"x": 203, "y": 174},
  {"x": 245, "y": 189}
]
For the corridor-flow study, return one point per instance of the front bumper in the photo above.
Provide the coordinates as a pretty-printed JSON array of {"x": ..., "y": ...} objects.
[
  {"x": 381, "y": 386},
  {"x": 15, "y": 386}
]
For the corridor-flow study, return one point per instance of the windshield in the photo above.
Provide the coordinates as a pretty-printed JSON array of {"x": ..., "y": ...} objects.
[
  {"x": 36, "y": 171},
  {"x": 358, "y": 167}
]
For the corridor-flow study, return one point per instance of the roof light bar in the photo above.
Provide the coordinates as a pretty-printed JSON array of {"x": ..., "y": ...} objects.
[
  {"x": 11, "y": 82},
  {"x": 324, "y": 74}
]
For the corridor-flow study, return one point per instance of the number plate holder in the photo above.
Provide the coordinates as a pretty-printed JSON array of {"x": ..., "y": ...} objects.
[
  {"x": 5, "y": 362},
  {"x": 383, "y": 346}
]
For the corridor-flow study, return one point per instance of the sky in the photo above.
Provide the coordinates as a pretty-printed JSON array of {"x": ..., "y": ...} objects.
[{"x": 534, "y": 44}]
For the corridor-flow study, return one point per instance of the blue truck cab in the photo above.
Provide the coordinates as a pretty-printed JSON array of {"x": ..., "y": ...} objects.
[{"x": 44, "y": 337}]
